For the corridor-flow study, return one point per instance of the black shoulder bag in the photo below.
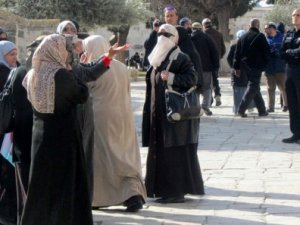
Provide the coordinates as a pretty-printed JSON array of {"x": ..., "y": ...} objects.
[{"x": 181, "y": 106}]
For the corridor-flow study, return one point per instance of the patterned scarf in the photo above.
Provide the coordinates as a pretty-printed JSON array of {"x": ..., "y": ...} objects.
[{"x": 39, "y": 82}]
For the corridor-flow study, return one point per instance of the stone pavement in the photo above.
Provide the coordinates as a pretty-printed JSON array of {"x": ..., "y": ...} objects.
[{"x": 251, "y": 177}]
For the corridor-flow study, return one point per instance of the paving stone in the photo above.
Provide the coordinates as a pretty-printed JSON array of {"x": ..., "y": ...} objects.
[{"x": 251, "y": 177}]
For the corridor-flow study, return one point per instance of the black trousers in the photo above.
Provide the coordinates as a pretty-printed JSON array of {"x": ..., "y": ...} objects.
[
  {"x": 293, "y": 98},
  {"x": 252, "y": 92},
  {"x": 216, "y": 84}
]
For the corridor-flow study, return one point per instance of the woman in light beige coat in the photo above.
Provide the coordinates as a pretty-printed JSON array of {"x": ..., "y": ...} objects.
[{"x": 117, "y": 164}]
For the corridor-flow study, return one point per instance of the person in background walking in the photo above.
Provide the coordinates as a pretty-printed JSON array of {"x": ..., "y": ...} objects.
[
  {"x": 239, "y": 83},
  {"x": 275, "y": 70},
  {"x": 210, "y": 62},
  {"x": 219, "y": 41},
  {"x": 251, "y": 57},
  {"x": 186, "y": 23},
  {"x": 290, "y": 52}
]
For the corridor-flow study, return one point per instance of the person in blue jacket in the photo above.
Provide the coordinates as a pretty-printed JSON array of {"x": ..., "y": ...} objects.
[{"x": 275, "y": 70}]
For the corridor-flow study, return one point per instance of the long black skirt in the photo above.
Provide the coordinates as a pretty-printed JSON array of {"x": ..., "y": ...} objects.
[{"x": 173, "y": 171}]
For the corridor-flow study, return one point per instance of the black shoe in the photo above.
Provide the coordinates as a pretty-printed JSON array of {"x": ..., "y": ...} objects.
[
  {"x": 270, "y": 110},
  {"x": 218, "y": 100},
  {"x": 207, "y": 111},
  {"x": 292, "y": 139},
  {"x": 243, "y": 115},
  {"x": 263, "y": 114},
  {"x": 134, "y": 203},
  {"x": 167, "y": 200},
  {"x": 285, "y": 109}
]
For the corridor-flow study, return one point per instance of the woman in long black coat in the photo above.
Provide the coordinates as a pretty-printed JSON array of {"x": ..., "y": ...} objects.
[
  {"x": 8, "y": 206},
  {"x": 172, "y": 164},
  {"x": 58, "y": 191}
]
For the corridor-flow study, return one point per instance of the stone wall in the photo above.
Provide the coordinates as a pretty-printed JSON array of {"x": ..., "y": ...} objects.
[{"x": 23, "y": 31}]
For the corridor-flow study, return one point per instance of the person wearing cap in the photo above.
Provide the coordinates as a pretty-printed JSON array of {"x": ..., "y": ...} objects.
[
  {"x": 219, "y": 41},
  {"x": 172, "y": 163},
  {"x": 3, "y": 35},
  {"x": 290, "y": 52},
  {"x": 210, "y": 62},
  {"x": 251, "y": 57},
  {"x": 275, "y": 70}
]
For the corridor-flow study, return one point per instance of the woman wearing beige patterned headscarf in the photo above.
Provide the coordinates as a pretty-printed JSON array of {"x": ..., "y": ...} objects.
[{"x": 58, "y": 191}]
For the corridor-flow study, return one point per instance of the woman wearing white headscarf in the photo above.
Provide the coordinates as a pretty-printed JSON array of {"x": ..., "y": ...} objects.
[
  {"x": 117, "y": 165},
  {"x": 172, "y": 164},
  {"x": 58, "y": 191}
]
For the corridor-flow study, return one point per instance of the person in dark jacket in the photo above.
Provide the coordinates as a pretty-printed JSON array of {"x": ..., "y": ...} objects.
[
  {"x": 22, "y": 134},
  {"x": 219, "y": 41},
  {"x": 172, "y": 164},
  {"x": 239, "y": 83},
  {"x": 150, "y": 43},
  {"x": 210, "y": 63},
  {"x": 290, "y": 52},
  {"x": 251, "y": 57},
  {"x": 187, "y": 46},
  {"x": 8, "y": 206},
  {"x": 186, "y": 23},
  {"x": 275, "y": 70}
]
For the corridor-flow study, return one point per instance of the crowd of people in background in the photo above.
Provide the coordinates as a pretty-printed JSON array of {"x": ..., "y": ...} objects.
[{"x": 74, "y": 145}]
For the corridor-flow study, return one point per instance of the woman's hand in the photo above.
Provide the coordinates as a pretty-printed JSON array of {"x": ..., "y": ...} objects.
[
  {"x": 113, "y": 50},
  {"x": 164, "y": 75}
]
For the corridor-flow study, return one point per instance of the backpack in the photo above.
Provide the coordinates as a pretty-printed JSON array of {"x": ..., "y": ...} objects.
[{"x": 7, "y": 109}]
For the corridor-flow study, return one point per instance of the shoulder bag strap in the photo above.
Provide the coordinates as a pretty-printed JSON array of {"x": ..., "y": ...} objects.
[{"x": 173, "y": 56}]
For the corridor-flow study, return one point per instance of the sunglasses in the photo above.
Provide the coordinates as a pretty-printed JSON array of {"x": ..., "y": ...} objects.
[{"x": 165, "y": 34}]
